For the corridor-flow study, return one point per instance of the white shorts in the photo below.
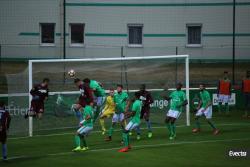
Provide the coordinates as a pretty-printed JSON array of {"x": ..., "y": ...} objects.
[
  {"x": 131, "y": 125},
  {"x": 207, "y": 113},
  {"x": 84, "y": 130},
  {"x": 223, "y": 98},
  {"x": 173, "y": 113},
  {"x": 118, "y": 117},
  {"x": 99, "y": 101}
]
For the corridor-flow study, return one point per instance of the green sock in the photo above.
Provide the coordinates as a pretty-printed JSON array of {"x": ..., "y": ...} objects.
[
  {"x": 211, "y": 124},
  {"x": 111, "y": 131},
  {"x": 173, "y": 128},
  {"x": 198, "y": 125},
  {"x": 125, "y": 138},
  {"x": 77, "y": 141},
  {"x": 84, "y": 141},
  {"x": 169, "y": 127},
  {"x": 128, "y": 139}
]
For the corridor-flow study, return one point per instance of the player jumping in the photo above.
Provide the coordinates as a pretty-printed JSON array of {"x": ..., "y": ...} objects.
[
  {"x": 99, "y": 95},
  {"x": 204, "y": 108},
  {"x": 4, "y": 126},
  {"x": 146, "y": 99},
  {"x": 108, "y": 110},
  {"x": 86, "y": 126},
  {"x": 134, "y": 122},
  {"x": 39, "y": 94},
  {"x": 85, "y": 96},
  {"x": 121, "y": 100},
  {"x": 224, "y": 92},
  {"x": 177, "y": 101}
]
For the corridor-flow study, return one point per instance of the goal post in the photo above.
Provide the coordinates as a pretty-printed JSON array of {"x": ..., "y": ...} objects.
[{"x": 109, "y": 65}]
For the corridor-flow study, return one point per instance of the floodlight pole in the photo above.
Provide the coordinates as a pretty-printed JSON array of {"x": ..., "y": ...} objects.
[
  {"x": 233, "y": 49},
  {"x": 64, "y": 29},
  {"x": 176, "y": 65},
  {"x": 64, "y": 38}
]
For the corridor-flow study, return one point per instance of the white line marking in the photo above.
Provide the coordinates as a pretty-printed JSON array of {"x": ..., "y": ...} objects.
[
  {"x": 136, "y": 147},
  {"x": 159, "y": 127}
]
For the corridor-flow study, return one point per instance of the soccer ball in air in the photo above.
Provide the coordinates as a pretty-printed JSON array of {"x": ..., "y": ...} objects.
[{"x": 71, "y": 73}]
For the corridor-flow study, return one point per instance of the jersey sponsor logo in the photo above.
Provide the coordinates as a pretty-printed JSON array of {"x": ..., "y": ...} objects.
[
  {"x": 42, "y": 91},
  {"x": 232, "y": 100},
  {"x": 82, "y": 91}
]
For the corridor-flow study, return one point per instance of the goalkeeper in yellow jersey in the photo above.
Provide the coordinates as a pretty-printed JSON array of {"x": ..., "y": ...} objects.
[{"x": 108, "y": 110}]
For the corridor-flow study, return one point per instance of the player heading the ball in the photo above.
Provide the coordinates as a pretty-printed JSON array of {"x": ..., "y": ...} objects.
[{"x": 86, "y": 96}]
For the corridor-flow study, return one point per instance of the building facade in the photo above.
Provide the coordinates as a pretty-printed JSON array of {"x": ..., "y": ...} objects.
[{"x": 33, "y": 29}]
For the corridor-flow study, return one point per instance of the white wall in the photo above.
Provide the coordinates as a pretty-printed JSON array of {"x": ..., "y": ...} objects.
[{"x": 18, "y": 17}]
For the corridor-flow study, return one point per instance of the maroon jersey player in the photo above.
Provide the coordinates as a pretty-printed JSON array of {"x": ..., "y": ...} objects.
[
  {"x": 146, "y": 98},
  {"x": 86, "y": 97},
  {"x": 39, "y": 94},
  {"x": 4, "y": 126}
]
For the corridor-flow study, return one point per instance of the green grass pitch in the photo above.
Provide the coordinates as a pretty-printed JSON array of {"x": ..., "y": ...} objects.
[{"x": 201, "y": 150}]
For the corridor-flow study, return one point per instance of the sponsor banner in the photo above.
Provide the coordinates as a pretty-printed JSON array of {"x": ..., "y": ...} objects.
[{"x": 231, "y": 101}]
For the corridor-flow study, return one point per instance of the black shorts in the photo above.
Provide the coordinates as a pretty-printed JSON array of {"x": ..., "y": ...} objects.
[
  {"x": 247, "y": 99},
  {"x": 3, "y": 136}
]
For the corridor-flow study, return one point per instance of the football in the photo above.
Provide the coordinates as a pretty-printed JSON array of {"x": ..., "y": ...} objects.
[{"x": 71, "y": 73}]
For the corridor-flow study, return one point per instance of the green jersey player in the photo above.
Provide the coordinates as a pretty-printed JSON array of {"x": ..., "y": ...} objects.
[
  {"x": 121, "y": 100},
  {"x": 177, "y": 101},
  {"x": 86, "y": 127},
  {"x": 99, "y": 95},
  {"x": 134, "y": 122},
  {"x": 204, "y": 108}
]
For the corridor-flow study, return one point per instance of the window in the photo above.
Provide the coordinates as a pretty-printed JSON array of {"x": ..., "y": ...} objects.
[
  {"x": 76, "y": 34},
  {"x": 47, "y": 34},
  {"x": 194, "y": 35},
  {"x": 135, "y": 34}
]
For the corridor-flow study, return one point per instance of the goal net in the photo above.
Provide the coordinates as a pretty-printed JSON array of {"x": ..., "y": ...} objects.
[{"x": 157, "y": 72}]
